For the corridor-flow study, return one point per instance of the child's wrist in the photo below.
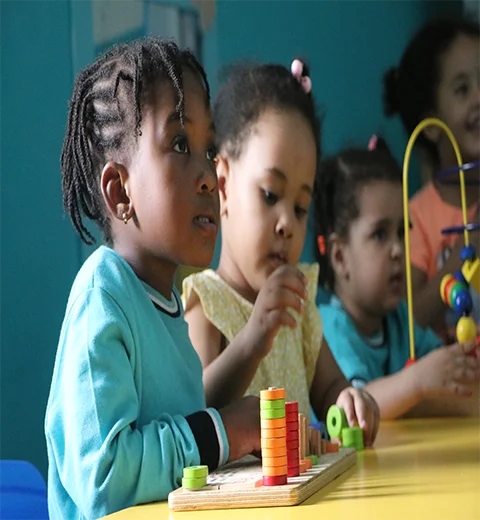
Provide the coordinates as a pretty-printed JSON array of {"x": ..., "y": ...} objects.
[
  {"x": 414, "y": 380},
  {"x": 254, "y": 345}
]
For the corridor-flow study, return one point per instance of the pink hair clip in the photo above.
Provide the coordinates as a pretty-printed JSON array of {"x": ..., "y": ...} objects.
[
  {"x": 305, "y": 81},
  {"x": 372, "y": 144}
]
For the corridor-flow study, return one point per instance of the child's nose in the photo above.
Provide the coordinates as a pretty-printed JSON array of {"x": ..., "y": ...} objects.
[
  {"x": 284, "y": 225},
  {"x": 397, "y": 249},
  {"x": 207, "y": 182}
]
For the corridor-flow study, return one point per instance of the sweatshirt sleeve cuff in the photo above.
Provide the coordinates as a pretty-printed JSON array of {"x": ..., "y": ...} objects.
[{"x": 211, "y": 438}]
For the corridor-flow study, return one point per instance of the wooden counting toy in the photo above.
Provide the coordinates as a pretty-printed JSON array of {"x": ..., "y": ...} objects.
[{"x": 295, "y": 464}]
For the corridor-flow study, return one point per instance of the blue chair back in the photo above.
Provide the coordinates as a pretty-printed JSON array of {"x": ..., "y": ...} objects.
[{"x": 23, "y": 493}]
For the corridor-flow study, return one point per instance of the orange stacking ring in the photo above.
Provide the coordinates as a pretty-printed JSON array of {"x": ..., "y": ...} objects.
[
  {"x": 272, "y": 394},
  {"x": 273, "y": 433},
  {"x": 278, "y": 442},
  {"x": 273, "y": 462},
  {"x": 281, "y": 451},
  {"x": 274, "y": 471},
  {"x": 332, "y": 447},
  {"x": 268, "y": 424}
]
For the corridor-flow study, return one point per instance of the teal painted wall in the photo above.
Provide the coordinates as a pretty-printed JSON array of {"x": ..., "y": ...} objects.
[
  {"x": 348, "y": 45},
  {"x": 39, "y": 251}
]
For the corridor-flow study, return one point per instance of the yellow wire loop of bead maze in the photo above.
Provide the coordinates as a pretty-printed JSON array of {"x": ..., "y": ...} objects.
[{"x": 431, "y": 121}]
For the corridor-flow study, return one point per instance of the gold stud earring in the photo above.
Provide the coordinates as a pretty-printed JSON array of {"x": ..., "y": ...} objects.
[{"x": 125, "y": 218}]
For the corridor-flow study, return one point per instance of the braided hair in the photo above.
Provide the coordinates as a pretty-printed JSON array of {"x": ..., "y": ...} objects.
[
  {"x": 105, "y": 117},
  {"x": 335, "y": 201}
]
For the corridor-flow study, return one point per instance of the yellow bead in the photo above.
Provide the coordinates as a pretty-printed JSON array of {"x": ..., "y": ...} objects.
[
  {"x": 466, "y": 329},
  {"x": 471, "y": 272}
]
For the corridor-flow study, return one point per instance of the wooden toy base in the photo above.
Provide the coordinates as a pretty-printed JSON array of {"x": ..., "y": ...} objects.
[{"x": 239, "y": 485}]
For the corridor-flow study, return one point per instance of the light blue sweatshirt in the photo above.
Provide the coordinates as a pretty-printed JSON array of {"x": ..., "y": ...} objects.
[{"x": 126, "y": 411}]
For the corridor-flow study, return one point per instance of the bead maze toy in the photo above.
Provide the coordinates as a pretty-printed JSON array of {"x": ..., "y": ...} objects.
[
  {"x": 454, "y": 289},
  {"x": 296, "y": 462}
]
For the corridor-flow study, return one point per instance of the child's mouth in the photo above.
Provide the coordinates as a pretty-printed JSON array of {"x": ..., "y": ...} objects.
[
  {"x": 206, "y": 223},
  {"x": 277, "y": 259},
  {"x": 396, "y": 282}
]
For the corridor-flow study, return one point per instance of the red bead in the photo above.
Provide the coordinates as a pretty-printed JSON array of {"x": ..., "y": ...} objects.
[
  {"x": 291, "y": 406},
  {"x": 292, "y": 417},
  {"x": 292, "y": 427},
  {"x": 292, "y": 436},
  {"x": 275, "y": 481},
  {"x": 409, "y": 362},
  {"x": 292, "y": 444},
  {"x": 293, "y": 454},
  {"x": 293, "y": 472}
]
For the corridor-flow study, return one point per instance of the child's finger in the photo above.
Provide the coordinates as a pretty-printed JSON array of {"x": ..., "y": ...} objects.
[
  {"x": 459, "y": 389},
  {"x": 361, "y": 409},
  {"x": 373, "y": 420},
  {"x": 346, "y": 402},
  {"x": 466, "y": 374},
  {"x": 293, "y": 279},
  {"x": 468, "y": 361},
  {"x": 282, "y": 298},
  {"x": 465, "y": 348},
  {"x": 281, "y": 317}
]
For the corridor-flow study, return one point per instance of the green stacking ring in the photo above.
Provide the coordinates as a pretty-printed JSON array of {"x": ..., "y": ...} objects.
[
  {"x": 194, "y": 483},
  {"x": 336, "y": 421},
  {"x": 352, "y": 438},
  {"x": 314, "y": 459},
  {"x": 277, "y": 404},
  {"x": 274, "y": 413},
  {"x": 195, "y": 472}
]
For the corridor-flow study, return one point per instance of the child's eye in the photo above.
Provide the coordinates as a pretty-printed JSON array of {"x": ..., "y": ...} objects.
[
  {"x": 300, "y": 212},
  {"x": 401, "y": 233},
  {"x": 461, "y": 90},
  {"x": 211, "y": 153},
  {"x": 180, "y": 144},
  {"x": 270, "y": 198},
  {"x": 380, "y": 235}
]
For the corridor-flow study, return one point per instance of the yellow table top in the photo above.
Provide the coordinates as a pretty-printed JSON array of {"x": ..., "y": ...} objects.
[{"x": 419, "y": 468}]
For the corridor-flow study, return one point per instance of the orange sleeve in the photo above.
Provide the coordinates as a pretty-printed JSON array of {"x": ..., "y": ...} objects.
[{"x": 420, "y": 246}]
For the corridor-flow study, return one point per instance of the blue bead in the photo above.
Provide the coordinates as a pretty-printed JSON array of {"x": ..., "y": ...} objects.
[
  {"x": 459, "y": 276},
  {"x": 463, "y": 302},
  {"x": 468, "y": 253}
]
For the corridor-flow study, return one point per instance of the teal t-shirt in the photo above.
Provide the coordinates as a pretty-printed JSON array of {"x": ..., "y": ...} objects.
[
  {"x": 126, "y": 385},
  {"x": 363, "y": 359}
]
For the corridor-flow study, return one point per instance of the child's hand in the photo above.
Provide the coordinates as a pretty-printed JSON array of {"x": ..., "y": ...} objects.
[
  {"x": 241, "y": 420},
  {"x": 448, "y": 370},
  {"x": 285, "y": 288},
  {"x": 362, "y": 409}
]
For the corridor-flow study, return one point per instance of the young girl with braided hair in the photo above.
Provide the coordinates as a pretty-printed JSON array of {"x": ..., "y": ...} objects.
[{"x": 126, "y": 411}]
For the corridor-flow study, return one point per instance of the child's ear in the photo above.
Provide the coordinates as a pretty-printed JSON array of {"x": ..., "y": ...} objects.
[
  {"x": 223, "y": 175},
  {"x": 338, "y": 256},
  {"x": 432, "y": 133},
  {"x": 115, "y": 191}
]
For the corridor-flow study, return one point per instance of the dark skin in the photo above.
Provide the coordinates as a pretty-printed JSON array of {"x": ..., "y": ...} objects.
[
  {"x": 267, "y": 190},
  {"x": 168, "y": 195},
  {"x": 456, "y": 103},
  {"x": 427, "y": 302}
]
